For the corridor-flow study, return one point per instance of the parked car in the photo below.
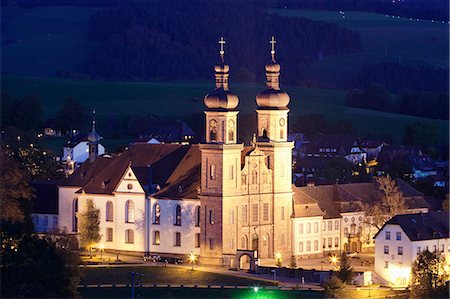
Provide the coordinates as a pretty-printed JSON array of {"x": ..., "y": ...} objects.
[
  {"x": 352, "y": 254},
  {"x": 172, "y": 260},
  {"x": 152, "y": 258}
]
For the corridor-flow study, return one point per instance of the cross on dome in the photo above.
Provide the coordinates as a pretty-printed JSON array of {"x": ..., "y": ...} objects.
[
  {"x": 221, "y": 42},
  {"x": 273, "y": 42}
]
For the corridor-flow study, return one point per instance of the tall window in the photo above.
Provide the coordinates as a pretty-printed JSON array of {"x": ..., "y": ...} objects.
[
  {"x": 156, "y": 237},
  {"x": 211, "y": 244},
  {"x": 336, "y": 242},
  {"x": 197, "y": 216},
  {"x": 316, "y": 227},
  {"x": 244, "y": 214},
  {"x": 211, "y": 217},
  {"x": 308, "y": 228},
  {"x": 400, "y": 250},
  {"x": 74, "y": 215},
  {"x": 255, "y": 212},
  {"x": 254, "y": 177},
  {"x": 230, "y": 135},
  {"x": 177, "y": 219},
  {"x": 109, "y": 211},
  {"x": 388, "y": 235},
  {"x": 316, "y": 245},
  {"x": 129, "y": 211},
  {"x": 156, "y": 214},
  {"x": 244, "y": 242},
  {"x": 300, "y": 247},
  {"x": 266, "y": 212},
  {"x": 386, "y": 249},
  {"x": 308, "y": 246},
  {"x": 330, "y": 225},
  {"x": 212, "y": 172},
  {"x": 300, "y": 228},
  {"x": 398, "y": 236},
  {"x": 177, "y": 241},
  {"x": 336, "y": 225},
  {"x": 129, "y": 236},
  {"x": 109, "y": 234},
  {"x": 197, "y": 240},
  {"x": 330, "y": 242}
]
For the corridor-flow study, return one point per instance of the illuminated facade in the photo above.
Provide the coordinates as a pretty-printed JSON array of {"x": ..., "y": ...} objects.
[{"x": 403, "y": 237}]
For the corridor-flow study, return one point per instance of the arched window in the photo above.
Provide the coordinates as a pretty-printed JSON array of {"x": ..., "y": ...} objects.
[
  {"x": 254, "y": 177},
  {"x": 316, "y": 245},
  {"x": 264, "y": 133},
  {"x": 74, "y": 215},
  {"x": 109, "y": 211},
  {"x": 129, "y": 211},
  {"x": 281, "y": 133},
  {"x": 213, "y": 134},
  {"x": 109, "y": 234},
  {"x": 197, "y": 216},
  {"x": 230, "y": 135},
  {"x": 129, "y": 236},
  {"x": 156, "y": 237},
  {"x": 177, "y": 216},
  {"x": 177, "y": 239},
  {"x": 156, "y": 214},
  {"x": 244, "y": 242}
]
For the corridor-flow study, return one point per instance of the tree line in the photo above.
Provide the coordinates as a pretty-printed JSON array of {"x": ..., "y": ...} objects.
[
  {"x": 178, "y": 40},
  {"x": 422, "y": 9},
  {"x": 376, "y": 97},
  {"x": 397, "y": 77}
]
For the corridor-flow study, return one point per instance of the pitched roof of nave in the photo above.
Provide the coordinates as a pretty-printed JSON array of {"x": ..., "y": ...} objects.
[{"x": 336, "y": 199}]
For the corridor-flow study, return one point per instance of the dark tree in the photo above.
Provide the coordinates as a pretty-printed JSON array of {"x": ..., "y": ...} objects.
[
  {"x": 70, "y": 115},
  {"x": 345, "y": 272},
  {"x": 399, "y": 169},
  {"x": 310, "y": 124},
  {"x": 337, "y": 169},
  {"x": 422, "y": 134},
  {"x": 428, "y": 276}
]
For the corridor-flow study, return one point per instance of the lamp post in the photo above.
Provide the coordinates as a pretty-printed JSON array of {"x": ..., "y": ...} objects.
[
  {"x": 192, "y": 259},
  {"x": 102, "y": 248},
  {"x": 334, "y": 260}
]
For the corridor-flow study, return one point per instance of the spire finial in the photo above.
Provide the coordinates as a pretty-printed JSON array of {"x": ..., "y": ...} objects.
[
  {"x": 221, "y": 52},
  {"x": 93, "y": 120},
  {"x": 254, "y": 140},
  {"x": 272, "y": 52}
]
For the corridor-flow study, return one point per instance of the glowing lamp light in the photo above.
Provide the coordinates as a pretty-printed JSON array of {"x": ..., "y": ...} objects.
[
  {"x": 334, "y": 259},
  {"x": 278, "y": 255},
  {"x": 192, "y": 259},
  {"x": 255, "y": 289}
]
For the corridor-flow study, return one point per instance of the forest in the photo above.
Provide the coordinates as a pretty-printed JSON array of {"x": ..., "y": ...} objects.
[{"x": 171, "y": 40}]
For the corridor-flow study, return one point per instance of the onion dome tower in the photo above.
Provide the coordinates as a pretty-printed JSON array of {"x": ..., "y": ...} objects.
[
  {"x": 93, "y": 141},
  {"x": 221, "y": 116},
  {"x": 272, "y": 103},
  {"x": 221, "y": 164}
]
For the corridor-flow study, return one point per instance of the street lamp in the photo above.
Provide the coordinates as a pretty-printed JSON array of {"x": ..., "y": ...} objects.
[
  {"x": 278, "y": 259},
  {"x": 192, "y": 259},
  {"x": 334, "y": 260},
  {"x": 102, "y": 247}
]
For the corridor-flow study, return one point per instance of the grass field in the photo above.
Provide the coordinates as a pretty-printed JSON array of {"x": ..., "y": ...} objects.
[
  {"x": 197, "y": 293},
  {"x": 174, "y": 99},
  {"x": 163, "y": 275},
  {"x": 384, "y": 39},
  {"x": 46, "y": 40}
]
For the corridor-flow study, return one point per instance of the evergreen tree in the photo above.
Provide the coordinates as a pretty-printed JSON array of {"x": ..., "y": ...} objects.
[
  {"x": 428, "y": 276},
  {"x": 345, "y": 272},
  {"x": 293, "y": 263},
  {"x": 89, "y": 225}
]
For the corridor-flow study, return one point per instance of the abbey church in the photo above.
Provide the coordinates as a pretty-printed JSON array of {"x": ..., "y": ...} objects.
[{"x": 219, "y": 199}]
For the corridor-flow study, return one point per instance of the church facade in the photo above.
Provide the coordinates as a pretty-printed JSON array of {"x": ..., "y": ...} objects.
[{"x": 220, "y": 199}]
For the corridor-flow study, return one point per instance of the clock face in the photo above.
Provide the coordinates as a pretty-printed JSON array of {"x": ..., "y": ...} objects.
[
  {"x": 282, "y": 122},
  {"x": 231, "y": 123}
]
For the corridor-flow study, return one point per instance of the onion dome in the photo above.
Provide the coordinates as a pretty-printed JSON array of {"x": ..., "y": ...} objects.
[
  {"x": 273, "y": 97},
  {"x": 93, "y": 136},
  {"x": 221, "y": 98}
]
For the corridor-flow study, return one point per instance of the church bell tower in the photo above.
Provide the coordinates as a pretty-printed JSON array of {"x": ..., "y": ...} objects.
[{"x": 221, "y": 161}]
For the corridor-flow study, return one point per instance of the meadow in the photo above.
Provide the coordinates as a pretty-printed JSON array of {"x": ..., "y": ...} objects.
[
  {"x": 384, "y": 38},
  {"x": 175, "y": 99}
]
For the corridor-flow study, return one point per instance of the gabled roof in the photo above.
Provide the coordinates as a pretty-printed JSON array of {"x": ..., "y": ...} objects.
[
  {"x": 422, "y": 226},
  {"x": 87, "y": 171},
  {"x": 46, "y": 200},
  {"x": 168, "y": 131},
  {"x": 315, "y": 201},
  {"x": 342, "y": 143},
  {"x": 74, "y": 141}
]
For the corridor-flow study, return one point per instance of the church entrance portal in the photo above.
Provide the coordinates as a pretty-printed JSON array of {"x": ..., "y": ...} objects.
[{"x": 246, "y": 259}]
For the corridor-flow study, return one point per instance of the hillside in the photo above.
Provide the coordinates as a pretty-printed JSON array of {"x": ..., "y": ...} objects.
[{"x": 176, "y": 99}]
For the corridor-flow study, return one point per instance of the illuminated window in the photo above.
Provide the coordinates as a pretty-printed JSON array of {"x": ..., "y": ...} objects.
[
  {"x": 156, "y": 237},
  {"x": 386, "y": 249},
  {"x": 177, "y": 218},
  {"x": 129, "y": 211},
  {"x": 388, "y": 235},
  {"x": 156, "y": 214},
  {"x": 398, "y": 236}
]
